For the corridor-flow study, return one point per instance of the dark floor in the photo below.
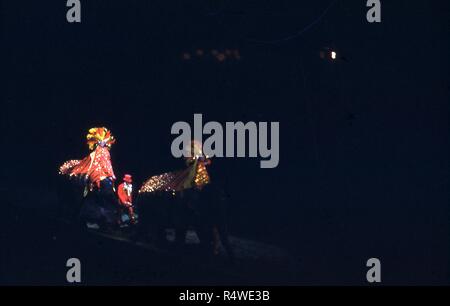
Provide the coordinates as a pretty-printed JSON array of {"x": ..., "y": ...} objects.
[
  {"x": 38, "y": 248},
  {"x": 318, "y": 250}
]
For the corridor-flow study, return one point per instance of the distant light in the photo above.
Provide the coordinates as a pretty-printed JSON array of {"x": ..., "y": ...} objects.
[
  {"x": 186, "y": 56},
  {"x": 333, "y": 55},
  {"x": 236, "y": 53},
  {"x": 220, "y": 57}
]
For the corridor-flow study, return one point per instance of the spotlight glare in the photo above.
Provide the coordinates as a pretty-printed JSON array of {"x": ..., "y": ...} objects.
[{"x": 333, "y": 55}]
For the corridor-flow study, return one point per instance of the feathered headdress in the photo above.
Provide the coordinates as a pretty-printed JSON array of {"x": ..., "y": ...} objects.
[
  {"x": 193, "y": 149},
  {"x": 99, "y": 136}
]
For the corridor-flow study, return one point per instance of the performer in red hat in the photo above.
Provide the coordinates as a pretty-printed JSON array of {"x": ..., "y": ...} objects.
[{"x": 125, "y": 194}]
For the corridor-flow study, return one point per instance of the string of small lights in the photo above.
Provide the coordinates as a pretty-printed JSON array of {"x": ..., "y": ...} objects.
[
  {"x": 215, "y": 54},
  {"x": 201, "y": 176},
  {"x": 158, "y": 183},
  {"x": 68, "y": 165}
]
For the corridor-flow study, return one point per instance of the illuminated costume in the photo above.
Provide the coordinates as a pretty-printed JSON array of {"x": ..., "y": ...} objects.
[
  {"x": 97, "y": 165},
  {"x": 165, "y": 199},
  {"x": 100, "y": 204},
  {"x": 196, "y": 201},
  {"x": 125, "y": 195},
  {"x": 194, "y": 176}
]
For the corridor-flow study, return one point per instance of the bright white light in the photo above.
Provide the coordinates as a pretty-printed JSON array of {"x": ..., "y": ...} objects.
[{"x": 333, "y": 55}]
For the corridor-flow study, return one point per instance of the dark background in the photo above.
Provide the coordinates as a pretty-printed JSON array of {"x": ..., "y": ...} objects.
[{"x": 363, "y": 140}]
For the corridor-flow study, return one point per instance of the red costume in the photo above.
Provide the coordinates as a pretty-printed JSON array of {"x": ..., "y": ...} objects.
[
  {"x": 97, "y": 165},
  {"x": 95, "y": 172},
  {"x": 125, "y": 195}
]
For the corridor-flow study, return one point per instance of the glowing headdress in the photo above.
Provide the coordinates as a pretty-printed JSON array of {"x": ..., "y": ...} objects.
[
  {"x": 99, "y": 136},
  {"x": 193, "y": 149}
]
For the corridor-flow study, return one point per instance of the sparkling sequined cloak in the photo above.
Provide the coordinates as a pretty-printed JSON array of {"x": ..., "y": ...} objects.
[
  {"x": 195, "y": 175},
  {"x": 95, "y": 170},
  {"x": 95, "y": 167}
]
